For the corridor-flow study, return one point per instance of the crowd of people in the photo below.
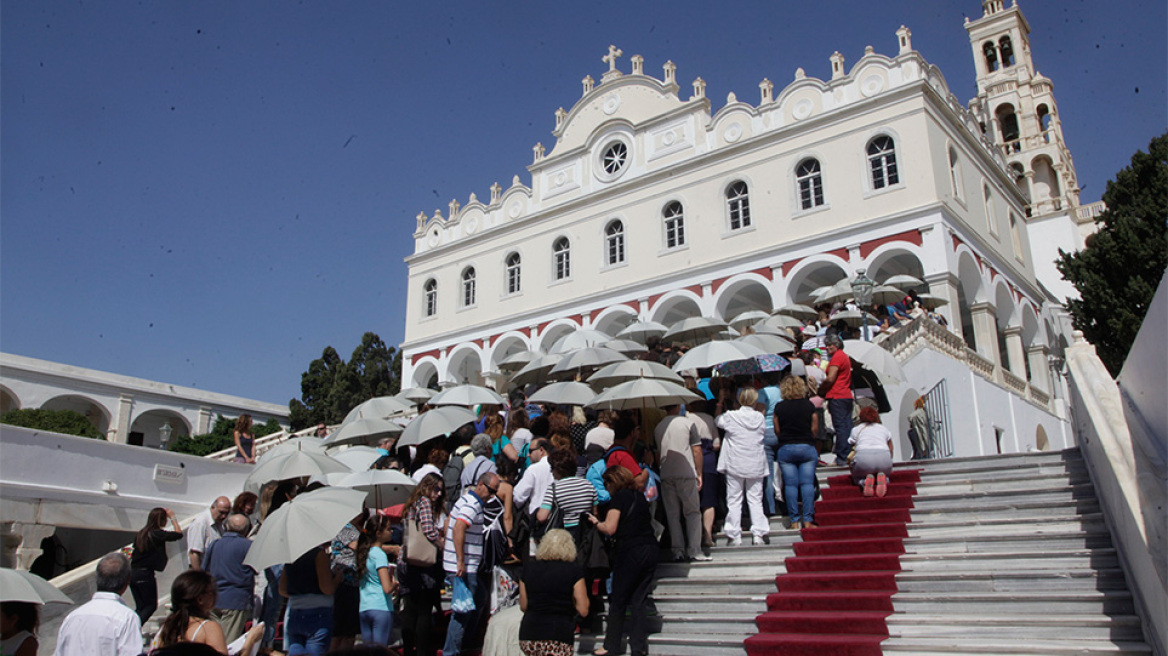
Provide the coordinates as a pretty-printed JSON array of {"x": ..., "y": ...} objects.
[{"x": 529, "y": 520}]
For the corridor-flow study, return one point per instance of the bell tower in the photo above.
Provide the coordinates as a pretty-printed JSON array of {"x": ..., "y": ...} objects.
[{"x": 1017, "y": 110}]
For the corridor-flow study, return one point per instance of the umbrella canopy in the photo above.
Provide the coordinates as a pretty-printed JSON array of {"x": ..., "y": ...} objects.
[
  {"x": 819, "y": 291},
  {"x": 570, "y": 393},
  {"x": 880, "y": 361},
  {"x": 798, "y": 311},
  {"x": 466, "y": 396},
  {"x": 841, "y": 291},
  {"x": 713, "y": 353},
  {"x": 592, "y": 357},
  {"x": 363, "y": 431},
  {"x": 886, "y": 295},
  {"x": 583, "y": 338},
  {"x": 435, "y": 423},
  {"x": 759, "y": 364},
  {"x": 292, "y": 465},
  {"x": 747, "y": 318},
  {"x": 783, "y": 321},
  {"x": 851, "y": 317},
  {"x": 694, "y": 329},
  {"x": 306, "y": 443},
  {"x": 357, "y": 458},
  {"x": 764, "y": 328},
  {"x": 536, "y": 371},
  {"x": 19, "y": 585},
  {"x": 416, "y": 395},
  {"x": 620, "y": 372},
  {"x": 813, "y": 343},
  {"x": 904, "y": 281},
  {"x": 931, "y": 302},
  {"x": 379, "y": 407},
  {"x": 626, "y": 346},
  {"x": 383, "y": 487},
  {"x": 310, "y": 519},
  {"x": 641, "y": 331},
  {"x": 769, "y": 343},
  {"x": 643, "y": 393},
  {"x": 515, "y": 361}
]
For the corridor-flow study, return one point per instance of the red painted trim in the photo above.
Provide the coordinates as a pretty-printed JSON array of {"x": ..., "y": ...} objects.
[
  {"x": 911, "y": 236},
  {"x": 841, "y": 253},
  {"x": 787, "y": 266},
  {"x": 957, "y": 242},
  {"x": 418, "y": 356}
]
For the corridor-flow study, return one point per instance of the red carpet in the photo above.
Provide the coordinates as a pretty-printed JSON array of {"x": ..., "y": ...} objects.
[{"x": 838, "y": 588}]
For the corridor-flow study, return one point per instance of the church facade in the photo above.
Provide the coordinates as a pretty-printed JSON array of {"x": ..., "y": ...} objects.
[{"x": 651, "y": 205}]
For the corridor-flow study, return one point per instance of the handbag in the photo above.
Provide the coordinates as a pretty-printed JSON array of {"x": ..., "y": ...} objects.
[
  {"x": 420, "y": 551},
  {"x": 555, "y": 519}
]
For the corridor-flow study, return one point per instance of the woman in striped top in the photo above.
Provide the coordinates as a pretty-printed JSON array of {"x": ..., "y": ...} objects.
[{"x": 572, "y": 495}]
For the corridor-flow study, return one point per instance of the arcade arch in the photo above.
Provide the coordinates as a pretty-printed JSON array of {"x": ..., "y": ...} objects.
[
  {"x": 92, "y": 410},
  {"x": 554, "y": 331},
  {"x": 146, "y": 429},
  {"x": 8, "y": 400},
  {"x": 425, "y": 375},
  {"x": 675, "y": 306},
  {"x": 893, "y": 262},
  {"x": 741, "y": 294},
  {"x": 614, "y": 319},
  {"x": 811, "y": 276},
  {"x": 969, "y": 293},
  {"x": 505, "y": 346},
  {"x": 465, "y": 366}
]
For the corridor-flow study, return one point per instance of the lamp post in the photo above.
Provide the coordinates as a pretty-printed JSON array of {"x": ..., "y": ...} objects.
[
  {"x": 862, "y": 287},
  {"x": 164, "y": 434}
]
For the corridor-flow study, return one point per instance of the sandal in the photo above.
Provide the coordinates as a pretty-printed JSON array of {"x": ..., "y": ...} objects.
[
  {"x": 600, "y": 651},
  {"x": 881, "y": 484}
]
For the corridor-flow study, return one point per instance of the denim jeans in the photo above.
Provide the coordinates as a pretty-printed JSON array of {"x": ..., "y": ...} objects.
[
  {"x": 308, "y": 631},
  {"x": 770, "y": 444},
  {"x": 798, "y": 463},
  {"x": 376, "y": 626},
  {"x": 461, "y": 623},
  {"x": 841, "y": 420}
]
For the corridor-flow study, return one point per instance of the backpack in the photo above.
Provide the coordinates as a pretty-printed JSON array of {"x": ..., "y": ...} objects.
[{"x": 452, "y": 475}]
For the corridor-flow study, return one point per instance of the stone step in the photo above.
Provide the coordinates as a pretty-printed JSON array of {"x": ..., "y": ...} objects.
[
  {"x": 704, "y": 600},
  {"x": 679, "y": 645},
  {"x": 758, "y": 585},
  {"x": 770, "y": 562},
  {"x": 957, "y": 580},
  {"x": 931, "y": 478},
  {"x": 994, "y": 462},
  {"x": 1036, "y": 560},
  {"x": 1124, "y": 628},
  {"x": 949, "y": 646},
  {"x": 1001, "y": 511},
  {"x": 1059, "y": 519},
  {"x": 1022, "y": 603},
  {"x": 1009, "y": 497},
  {"x": 1019, "y": 483},
  {"x": 958, "y": 542},
  {"x": 707, "y": 623}
]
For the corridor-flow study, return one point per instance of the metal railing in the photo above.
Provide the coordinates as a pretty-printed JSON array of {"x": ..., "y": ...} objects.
[{"x": 939, "y": 441}]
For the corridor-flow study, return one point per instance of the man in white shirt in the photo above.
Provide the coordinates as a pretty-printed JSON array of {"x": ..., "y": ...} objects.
[
  {"x": 206, "y": 528},
  {"x": 602, "y": 434},
  {"x": 679, "y": 448},
  {"x": 530, "y": 489},
  {"x": 105, "y": 626}
]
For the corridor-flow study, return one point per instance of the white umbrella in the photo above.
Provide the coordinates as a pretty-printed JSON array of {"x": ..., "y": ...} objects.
[
  {"x": 357, "y": 458},
  {"x": 383, "y": 487},
  {"x": 379, "y": 407},
  {"x": 19, "y": 585},
  {"x": 693, "y": 329},
  {"x": 416, "y": 395},
  {"x": 886, "y": 295},
  {"x": 783, "y": 321},
  {"x": 643, "y": 393},
  {"x": 619, "y": 372},
  {"x": 640, "y": 331},
  {"x": 764, "y": 328},
  {"x": 517, "y": 360},
  {"x": 798, "y": 311},
  {"x": 310, "y": 519},
  {"x": 626, "y": 346},
  {"x": 880, "y": 361},
  {"x": 904, "y": 281},
  {"x": 841, "y": 291},
  {"x": 570, "y": 393},
  {"x": 930, "y": 302},
  {"x": 582, "y": 338},
  {"x": 769, "y": 343},
  {"x": 363, "y": 431},
  {"x": 709, "y": 354},
  {"x": 466, "y": 396},
  {"x": 293, "y": 464},
  {"x": 592, "y": 357},
  {"x": 306, "y": 443},
  {"x": 851, "y": 317},
  {"x": 536, "y": 371},
  {"x": 747, "y": 318},
  {"x": 819, "y": 291},
  {"x": 435, "y": 423}
]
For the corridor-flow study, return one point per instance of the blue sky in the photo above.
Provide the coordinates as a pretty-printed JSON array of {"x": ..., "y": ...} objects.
[{"x": 209, "y": 193}]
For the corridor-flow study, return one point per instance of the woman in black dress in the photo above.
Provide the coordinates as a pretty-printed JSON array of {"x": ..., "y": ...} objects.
[
  {"x": 149, "y": 557},
  {"x": 634, "y": 561},
  {"x": 551, "y": 594}
]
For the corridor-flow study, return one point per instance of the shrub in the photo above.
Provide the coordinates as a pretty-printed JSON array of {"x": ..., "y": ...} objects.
[{"x": 69, "y": 422}]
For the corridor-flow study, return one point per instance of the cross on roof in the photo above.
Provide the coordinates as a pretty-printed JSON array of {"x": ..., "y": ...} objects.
[{"x": 610, "y": 58}]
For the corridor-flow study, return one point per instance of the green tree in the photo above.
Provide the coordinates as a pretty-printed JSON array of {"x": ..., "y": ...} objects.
[
  {"x": 1116, "y": 274},
  {"x": 332, "y": 387},
  {"x": 67, "y": 422},
  {"x": 222, "y": 436}
]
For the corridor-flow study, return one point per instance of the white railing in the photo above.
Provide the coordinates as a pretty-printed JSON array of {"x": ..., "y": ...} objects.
[
  {"x": 264, "y": 443},
  {"x": 1091, "y": 211},
  {"x": 1014, "y": 382},
  {"x": 980, "y": 364}
]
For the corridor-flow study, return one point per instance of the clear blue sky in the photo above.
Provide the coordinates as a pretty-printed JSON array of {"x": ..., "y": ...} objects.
[{"x": 209, "y": 193}]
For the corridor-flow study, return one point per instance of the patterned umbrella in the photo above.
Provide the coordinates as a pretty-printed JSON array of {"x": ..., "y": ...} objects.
[{"x": 759, "y": 364}]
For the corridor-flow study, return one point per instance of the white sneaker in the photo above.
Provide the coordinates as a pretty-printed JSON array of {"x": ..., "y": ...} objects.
[
  {"x": 761, "y": 539},
  {"x": 733, "y": 542},
  {"x": 703, "y": 558}
]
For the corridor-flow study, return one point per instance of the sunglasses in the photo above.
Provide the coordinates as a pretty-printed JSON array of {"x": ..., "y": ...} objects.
[{"x": 492, "y": 490}]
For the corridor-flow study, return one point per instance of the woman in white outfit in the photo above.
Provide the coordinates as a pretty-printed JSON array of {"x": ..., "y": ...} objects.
[{"x": 743, "y": 463}]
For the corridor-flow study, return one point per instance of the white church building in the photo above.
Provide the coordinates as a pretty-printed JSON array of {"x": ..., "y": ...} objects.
[{"x": 652, "y": 205}]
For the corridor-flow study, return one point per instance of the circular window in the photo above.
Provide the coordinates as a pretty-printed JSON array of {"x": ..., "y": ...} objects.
[{"x": 614, "y": 157}]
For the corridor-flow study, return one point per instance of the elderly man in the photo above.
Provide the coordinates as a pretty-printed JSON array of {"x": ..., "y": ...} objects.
[
  {"x": 480, "y": 446},
  {"x": 837, "y": 389},
  {"x": 464, "y": 552},
  {"x": 206, "y": 528},
  {"x": 105, "y": 626},
  {"x": 234, "y": 580},
  {"x": 679, "y": 446}
]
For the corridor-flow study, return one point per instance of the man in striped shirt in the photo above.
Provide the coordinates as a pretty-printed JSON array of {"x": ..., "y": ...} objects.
[{"x": 464, "y": 552}]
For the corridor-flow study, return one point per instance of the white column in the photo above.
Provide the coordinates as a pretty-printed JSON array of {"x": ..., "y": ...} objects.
[
  {"x": 206, "y": 415},
  {"x": 1015, "y": 351},
  {"x": 1039, "y": 367},
  {"x": 120, "y": 432},
  {"x": 985, "y": 331},
  {"x": 945, "y": 285}
]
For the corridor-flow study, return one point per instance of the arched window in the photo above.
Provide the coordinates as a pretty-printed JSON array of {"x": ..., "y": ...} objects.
[
  {"x": 955, "y": 174},
  {"x": 468, "y": 287},
  {"x": 1044, "y": 122},
  {"x": 738, "y": 205},
  {"x": 430, "y": 298},
  {"x": 562, "y": 252},
  {"x": 991, "y": 215},
  {"x": 513, "y": 273},
  {"x": 674, "y": 225},
  {"x": 882, "y": 162},
  {"x": 991, "y": 56},
  {"x": 1016, "y": 237},
  {"x": 1008, "y": 123},
  {"x": 1006, "y": 49},
  {"x": 614, "y": 243},
  {"x": 809, "y": 177}
]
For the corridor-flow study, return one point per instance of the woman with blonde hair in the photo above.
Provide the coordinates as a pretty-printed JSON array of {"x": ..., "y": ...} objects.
[
  {"x": 551, "y": 594},
  {"x": 796, "y": 425},
  {"x": 743, "y": 463}
]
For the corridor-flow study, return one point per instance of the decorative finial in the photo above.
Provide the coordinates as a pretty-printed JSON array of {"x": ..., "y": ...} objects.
[
  {"x": 638, "y": 64},
  {"x": 496, "y": 192},
  {"x": 837, "y": 65},
  {"x": 515, "y": 181},
  {"x": 421, "y": 218},
  {"x": 437, "y": 215},
  {"x": 699, "y": 87},
  {"x": 904, "y": 37},
  {"x": 560, "y": 116},
  {"x": 869, "y": 50},
  {"x": 670, "y": 72},
  {"x": 587, "y": 82},
  {"x": 473, "y": 198},
  {"x": 731, "y": 98},
  {"x": 538, "y": 151},
  {"x": 454, "y": 205},
  {"x": 799, "y": 73},
  {"x": 767, "y": 88}
]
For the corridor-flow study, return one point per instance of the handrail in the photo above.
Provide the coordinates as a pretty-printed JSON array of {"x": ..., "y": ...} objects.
[
  {"x": 1014, "y": 382},
  {"x": 264, "y": 443}
]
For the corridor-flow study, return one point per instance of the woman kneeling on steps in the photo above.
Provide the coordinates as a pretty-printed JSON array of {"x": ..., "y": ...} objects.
[{"x": 872, "y": 464}]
